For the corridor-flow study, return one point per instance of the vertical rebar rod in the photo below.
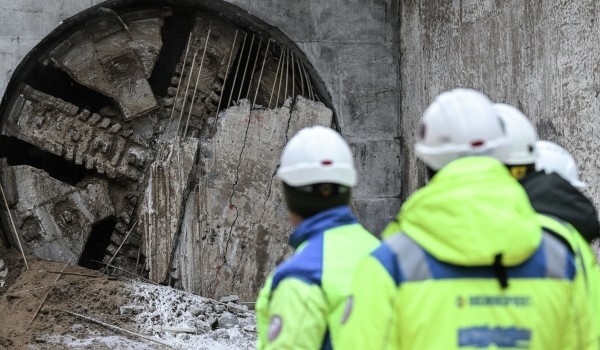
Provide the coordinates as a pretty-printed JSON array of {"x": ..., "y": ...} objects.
[
  {"x": 225, "y": 80},
  {"x": 281, "y": 77},
  {"x": 261, "y": 72},
  {"x": 300, "y": 74},
  {"x": 254, "y": 68},
  {"x": 187, "y": 49},
  {"x": 246, "y": 67},
  {"x": 12, "y": 223},
  {"x": 308, "y": 84},
  {"x": 187, "y": 87},
  {"x": 237, "y": 68},
  {"x": 196, "y": 85},
  {"x": 293, "y": 78},
  {"x": 287, "y": 72},
  {"x": 274, "y": 82}
]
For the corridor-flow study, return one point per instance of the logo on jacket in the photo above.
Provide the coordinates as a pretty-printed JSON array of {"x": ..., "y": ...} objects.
[{"x": 502, "y": 337}]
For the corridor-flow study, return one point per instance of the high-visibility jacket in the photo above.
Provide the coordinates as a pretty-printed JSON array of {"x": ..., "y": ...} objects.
[
  {"x": 302, "y": 303},
  {"x": 470, "y": 268},
  {"x": 568, "y": 213},
  {"x": 584, "y": 257}
]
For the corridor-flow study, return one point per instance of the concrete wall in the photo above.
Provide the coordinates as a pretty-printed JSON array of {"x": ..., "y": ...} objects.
[
  {"x": 352, "y": 45},
  {"x": 541, "y": 56}
]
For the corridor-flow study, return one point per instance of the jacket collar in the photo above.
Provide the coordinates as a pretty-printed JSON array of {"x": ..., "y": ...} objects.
[{"x": 323, "y": 221}]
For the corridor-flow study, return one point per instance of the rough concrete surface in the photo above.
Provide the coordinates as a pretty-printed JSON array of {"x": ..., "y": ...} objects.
[
  {"x": 235, "y": 228},
  {"x": 162, "y": 204},
  {"x": 541, "y": 56}
]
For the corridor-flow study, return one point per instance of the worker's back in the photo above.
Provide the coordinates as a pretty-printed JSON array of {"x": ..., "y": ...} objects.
[{"x": 470, "y": 268}]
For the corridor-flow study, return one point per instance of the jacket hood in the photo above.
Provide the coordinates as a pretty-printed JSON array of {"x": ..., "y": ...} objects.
[
  {"x": 550, "y": 194},
  {"x": 471, "y": 211},
  {"x": 316, "y": 224}
]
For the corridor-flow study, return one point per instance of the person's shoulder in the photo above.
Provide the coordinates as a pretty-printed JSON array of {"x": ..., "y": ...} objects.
[{"x": 306, "y": 265}]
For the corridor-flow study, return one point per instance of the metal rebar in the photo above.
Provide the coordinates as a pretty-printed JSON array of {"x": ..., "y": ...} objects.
[
  {"x": 12, "y": 223},
  {"x": 120, "y": 246},
  {"x": 287, "y": 72},
  {"x": 237, "y": 69},
  {"x": 46, "y": 296},
  {"x": 246, "y": 68},
  {"x": 110, "y": 326},
  {"x": 311, "y": 90},
  {"x": 308, "y": 84},
  {"x": 254, "y": 68},
  {"x": 225, "y": 80},
  {"x": 125, "y": 27},
  {"x": 187, "y": 50},
  {"x": 187, "y": 87},
  {"x": 301, "y": 78},
  {"x": 281, "y": 77},
  {"x": 261, "y": 72},
  {"x": 293, "y": 77},
  {"x": 275, "y": 81},
  {"x": 196, "y": 85},
  {"x": 119, "y": 19}
]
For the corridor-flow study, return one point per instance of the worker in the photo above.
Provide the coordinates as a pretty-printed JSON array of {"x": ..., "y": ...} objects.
[
  {"x": 550, "y": 180},
  {"x": 302, "y": 302},
  {"x": 549, "y": 175},
  {"x": 470, "y": 266},
  {"x": 555, "y": 189}
]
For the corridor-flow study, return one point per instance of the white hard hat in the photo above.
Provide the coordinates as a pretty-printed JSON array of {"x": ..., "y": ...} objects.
[
  {"x": 457, "y": 124},
  {"x": 552, "y": 158},
  {"x": 317, "y": 155},
  {"x": 520, "y": 133}
]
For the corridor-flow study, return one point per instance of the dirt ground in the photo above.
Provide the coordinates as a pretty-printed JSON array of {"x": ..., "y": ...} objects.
[
  {"x": 24, "y": 291},
  {"x": 140, "y": 308}
]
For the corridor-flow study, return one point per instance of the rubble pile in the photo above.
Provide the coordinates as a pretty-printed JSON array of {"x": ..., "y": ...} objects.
[
  {"x": 185, "y": 319},
  {"x": 56, "y": 306}
]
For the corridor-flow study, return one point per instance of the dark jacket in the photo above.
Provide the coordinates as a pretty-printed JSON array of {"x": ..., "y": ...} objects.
[{"x": 552, "y": 195}]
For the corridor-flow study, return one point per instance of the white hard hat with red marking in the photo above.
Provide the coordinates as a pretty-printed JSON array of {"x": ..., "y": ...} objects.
[
  {"x": 457, "y": 124},
  {"x": 553, "y": 158},
  {"x": 317, "y": 155}
]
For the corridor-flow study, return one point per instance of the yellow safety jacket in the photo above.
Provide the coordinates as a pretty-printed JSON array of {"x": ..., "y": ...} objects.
[
  {"x": 470, "y": 268},
  {"x": 302, "y": 303}
]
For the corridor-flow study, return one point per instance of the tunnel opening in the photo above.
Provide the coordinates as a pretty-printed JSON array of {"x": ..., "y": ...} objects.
[
  {"x": 18, "y": 152},
  {"x": 55, "y": 82},
  {"x": 97, "y": 244},
  {"x": 175, "y": 32}
]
